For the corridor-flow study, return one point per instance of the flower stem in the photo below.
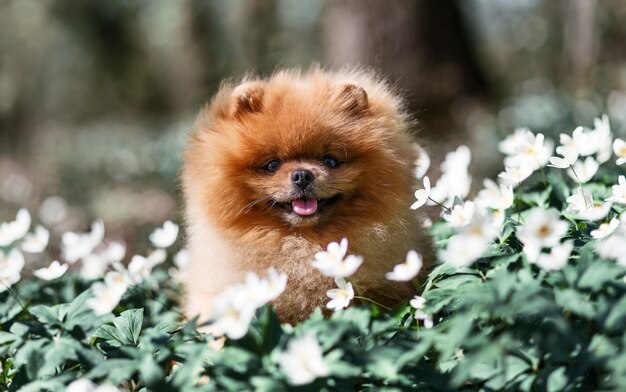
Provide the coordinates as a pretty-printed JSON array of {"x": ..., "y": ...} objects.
[
  {"x": 580, "y": 184},
  {"x": 19, "y": 302},
  {"x": 372, "y": 301},
  {"x": 439, "y": 204}
]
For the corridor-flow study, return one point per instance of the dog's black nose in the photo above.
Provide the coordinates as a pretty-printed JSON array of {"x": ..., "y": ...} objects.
[{"x": 302, "y": 178}]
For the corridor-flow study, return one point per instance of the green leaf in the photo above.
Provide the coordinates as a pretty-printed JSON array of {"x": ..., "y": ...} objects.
[
  {"x": 114, "y": 370},
  {"x": 575, "y": 302},
  {"x": 616, "y": 319},
  {"x": 151, "y": 374},
  {"x": 7, "y": 337},
  {"x": 454, "y": 281},
  {"x": 125, "y": 329},
  {"x": 266, "y": 384},
  {"x": 47, "y": 314},
  {"x": 129, "y": 324},
  {"x": 557, "y": 381},
  {"x": 30, "y": 357},
  {"x": 599, "y": 274}
]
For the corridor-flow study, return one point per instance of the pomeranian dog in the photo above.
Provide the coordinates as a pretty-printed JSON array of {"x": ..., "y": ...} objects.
[{"x": 278, "y": 168}]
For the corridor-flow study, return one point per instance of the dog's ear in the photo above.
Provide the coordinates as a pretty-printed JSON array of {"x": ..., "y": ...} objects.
[
  {"x": 352, "y": 98},
  {"x": 247, "y": 98}
]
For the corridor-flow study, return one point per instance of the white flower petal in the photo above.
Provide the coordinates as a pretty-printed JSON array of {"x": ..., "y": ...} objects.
[
  {"x": 606, "y": 229},
  {"x": 164, "y": 236},
  {"x": 422, "y": 195},
  {"x": 37, "y": 241},
  {"x": 303, "y": 361},
  {"x": 557, "y": 258},
  {"x": 408, "y": 270},
  {"x": 54, "y": 271}
]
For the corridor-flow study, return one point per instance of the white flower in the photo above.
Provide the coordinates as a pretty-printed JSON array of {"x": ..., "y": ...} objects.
[
  {"x": 481, "y": 226},
  {"x": 276, "y": 284},
  {"x": 596, "y": 212},
  {"x": 259, "y": 291},
  {"x": 494, "y": 196},
  {"x": 582, "y": 206},
  {"x": 114, "y": 252},
  {"x": 422, "y": 195},
  {"x": 516, "y": 141},
  {"x": 93, "y": 266},
  {"x": 76, "y": 246},
  {"x": 335, "y": 252},
  {"x": 15, "y": 230},
  {"x": 85, "y": 385},
  {"x": 569, "y": 157},
  {"x": 515, "y": 174},
  {"x": 115, "y": 278},
  {"x": 532, "y": 151},
  {"x": 139, "y": 269},
  {"x": 418, "y": 302},
  {"x": 303, "y": 361},
  {"x": 557, "y": 258},
  {"x": 584, "y": 171},
  {"x": 37, "y": 241},
  {"x": 165, "y": 236},
  {"x": 455, "y": 180},
  {"x": 450, "y": 186},
  {"x": 181, "y": 259},
  {"x": 581, "y": 141},
  {"x": 234, "y": 308},
  {"x": 14, "y": 260},
  {"x": 156, "y": 257},
  {"x": 106, "y": 297},
  {"x": 340, "y": 298},
  {"x": 463, "y": 250},
  {"x": 542, "y": 228},
  {"x": 346, "y": 268},
  {"x": 11, "y": 266},
  {"x": 81, "y": 385},
  {"x": 253, "y": 290},
  {"x": 426, "y": 319},
  {"x": 523, "y": 145},
  {"x": 460, "y": 215},
  {"x": 408, "y": 270},
  {"x": 605, "y": 229},
  {"x": 603, "y": 138},
  {"x": 497, "y": 219},
  {"x": 579, "y": 201},
  {"x": 619, "y": 191},
  {"x": 457, "y": 161},
  {"x": 54, "y": 271},
  {"x": 613, "y": 247},
  {"x": 232, "y": 313},
  {"x": 422, "y": 163},
  {"x": 332, "y": 263},
  {"x": 619, "y": 148},
  {"x": 8, "y": 278}
]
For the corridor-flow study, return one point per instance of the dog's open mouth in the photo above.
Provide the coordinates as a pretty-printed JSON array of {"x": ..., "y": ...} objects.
[{"x": 306, "y": 207}]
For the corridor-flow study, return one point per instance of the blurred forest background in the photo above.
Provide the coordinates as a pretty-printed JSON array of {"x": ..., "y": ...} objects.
[{"x": 96, "y": 97}]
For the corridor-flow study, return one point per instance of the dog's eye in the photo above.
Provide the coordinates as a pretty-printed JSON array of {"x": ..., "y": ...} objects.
[
  {"x": 272, "y": 166},
  {"x": 330, "y": 162}
]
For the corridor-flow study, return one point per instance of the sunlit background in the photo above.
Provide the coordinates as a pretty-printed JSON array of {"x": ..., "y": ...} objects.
[{"x": 96, "y": 97}]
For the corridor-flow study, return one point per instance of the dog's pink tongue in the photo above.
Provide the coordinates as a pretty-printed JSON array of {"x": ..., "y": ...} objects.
[{"x": 304, "y": 206}]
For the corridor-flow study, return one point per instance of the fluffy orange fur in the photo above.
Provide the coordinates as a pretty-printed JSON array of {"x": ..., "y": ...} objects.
[{"x": 239, "y": 213}]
